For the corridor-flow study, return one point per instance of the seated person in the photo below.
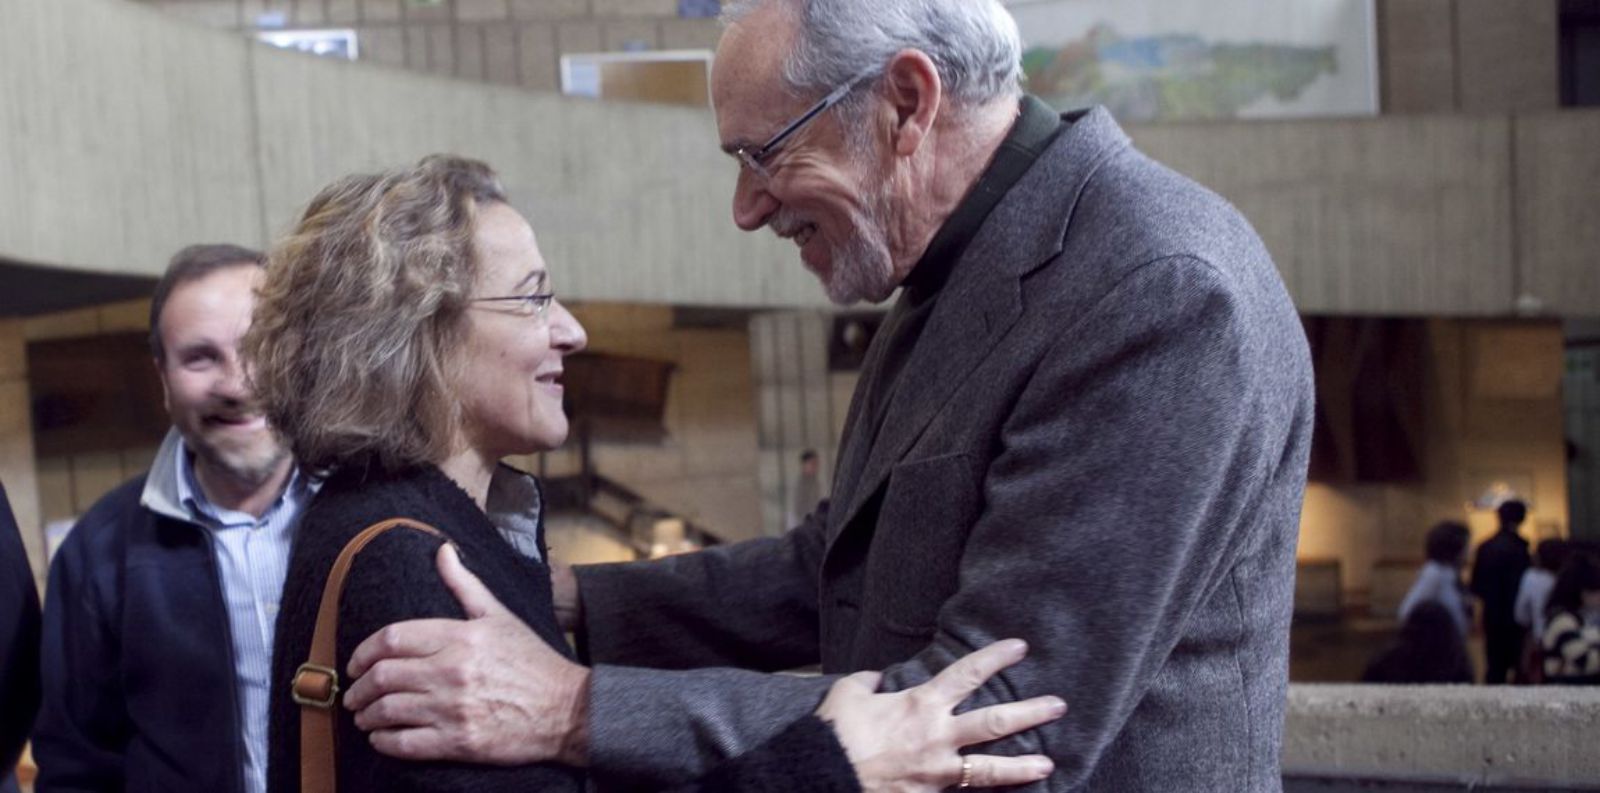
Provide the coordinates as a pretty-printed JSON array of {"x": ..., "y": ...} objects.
[{"x": 406, "y": 340}]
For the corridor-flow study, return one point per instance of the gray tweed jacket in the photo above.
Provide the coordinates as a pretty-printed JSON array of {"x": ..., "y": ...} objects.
[{"x": 1098, "y": 444}]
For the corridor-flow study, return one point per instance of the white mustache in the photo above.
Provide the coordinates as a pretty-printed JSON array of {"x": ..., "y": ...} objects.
[{"x": 787, "y": 223}]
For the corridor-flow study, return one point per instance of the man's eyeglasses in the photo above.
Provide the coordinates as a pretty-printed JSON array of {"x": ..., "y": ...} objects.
[
  {"x": 756, "y": 158},
  {"x": 535, "y": 305}
]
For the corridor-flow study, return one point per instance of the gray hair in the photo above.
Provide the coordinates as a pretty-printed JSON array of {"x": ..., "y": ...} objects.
[{"x": 973, "y": 43}]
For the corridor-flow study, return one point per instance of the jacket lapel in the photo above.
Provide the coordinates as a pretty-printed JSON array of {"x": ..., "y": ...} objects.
[{"x": 975, "y": 309}]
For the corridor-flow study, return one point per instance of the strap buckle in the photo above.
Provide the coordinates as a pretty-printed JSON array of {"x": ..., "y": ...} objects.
[{"x": 315, "y": 686}]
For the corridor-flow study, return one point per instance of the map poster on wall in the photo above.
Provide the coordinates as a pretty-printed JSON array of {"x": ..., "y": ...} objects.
[{"x": 1172, "y": 60}]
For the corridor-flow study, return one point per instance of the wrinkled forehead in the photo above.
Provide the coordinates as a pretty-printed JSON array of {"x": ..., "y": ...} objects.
[{"x": 747, "y": 88}]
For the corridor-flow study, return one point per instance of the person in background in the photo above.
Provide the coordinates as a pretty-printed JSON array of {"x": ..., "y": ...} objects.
[
  {"x": 1430, "y": 649},
  {"x": 1571, "y": 640},
  {"x": 1496, "y": 575},
  {"x": 1439, "y": 580},
  {"x": 807, "y": 488},
  {"x": 1533, "y": 595},
  {"x": 159, "y": 616},
  {"x": 19, "y": 645}
]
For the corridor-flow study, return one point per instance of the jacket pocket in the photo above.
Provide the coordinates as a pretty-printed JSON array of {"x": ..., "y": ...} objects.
[{"x": 914, "y": 561}]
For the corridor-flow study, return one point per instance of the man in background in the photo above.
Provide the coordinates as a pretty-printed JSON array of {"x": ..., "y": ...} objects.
[
  {"x": 807, "y": 488},
  {"x": 159, "y": 617},
  {"x": 1496, "y": 576}
]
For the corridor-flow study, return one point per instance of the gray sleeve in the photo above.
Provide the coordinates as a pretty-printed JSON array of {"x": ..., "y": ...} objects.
[
  {"x": 751, "y": 605},
  {"x": 652, "y": 729}
]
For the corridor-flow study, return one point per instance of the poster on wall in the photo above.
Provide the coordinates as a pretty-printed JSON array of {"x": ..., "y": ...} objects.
[{"x": 1160, "y": 60}]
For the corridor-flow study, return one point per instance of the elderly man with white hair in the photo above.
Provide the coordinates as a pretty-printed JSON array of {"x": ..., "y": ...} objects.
[{"x": 1084, "y": 423}]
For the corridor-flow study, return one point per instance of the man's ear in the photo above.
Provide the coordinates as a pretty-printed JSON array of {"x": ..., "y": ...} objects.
[
  {"x": 914, "y": 90},
  {"x": 166, "y": 394}
]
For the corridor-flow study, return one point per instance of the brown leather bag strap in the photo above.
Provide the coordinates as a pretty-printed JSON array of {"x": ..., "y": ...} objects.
[{"x": 316, "y": 683}]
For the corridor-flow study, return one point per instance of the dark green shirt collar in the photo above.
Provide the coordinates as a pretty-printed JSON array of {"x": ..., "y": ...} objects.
[{"x": 1035, "y": 128}]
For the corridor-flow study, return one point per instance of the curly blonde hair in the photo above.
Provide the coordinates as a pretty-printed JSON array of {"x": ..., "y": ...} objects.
[{"x": 360, "y": 318}]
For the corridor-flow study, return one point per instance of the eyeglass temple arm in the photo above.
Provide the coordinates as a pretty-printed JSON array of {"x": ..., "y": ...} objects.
[{"x": 828, "y": 101}]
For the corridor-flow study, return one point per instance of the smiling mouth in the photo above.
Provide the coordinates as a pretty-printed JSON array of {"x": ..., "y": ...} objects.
[
  {"x": 550, "y": 379},
  {"x": 226, "y": 421},
  {"x": 799, "y": 235}
]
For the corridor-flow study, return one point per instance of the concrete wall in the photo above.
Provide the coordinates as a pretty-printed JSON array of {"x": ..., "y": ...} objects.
[
  {"x": 1371, "y": 216},
  {"x": 1473, "y": 737},
  {"x": 126, "y": 135},
  {"x": 513, "y": 42},
  {"x": 1468, "y": 55},
  {"x": 1557, "y": 221},
  {"x": 146, "y": 152}
]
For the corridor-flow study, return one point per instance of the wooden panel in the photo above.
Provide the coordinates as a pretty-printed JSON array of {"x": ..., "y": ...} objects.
[
  {"x": 668, "y": 82},
  {"x": 93, "y": 476},
  {"x": 55, "y": 488},
  {"x": 95, "y": 394},
  {"x": 13, "y": 355},
  {"x": 63, "y": 324},
  {"x": 131, "y": 315},
  {"x": 1516, "y": 362},
  {"x": 137, "y": 461}
]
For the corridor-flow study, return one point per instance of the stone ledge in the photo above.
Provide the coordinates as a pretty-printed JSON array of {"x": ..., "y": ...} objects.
[{"x": 1472, "y": 735}]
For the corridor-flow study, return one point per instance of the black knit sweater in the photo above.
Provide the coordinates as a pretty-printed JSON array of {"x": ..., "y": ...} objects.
[{"x": 392, "y": 580}]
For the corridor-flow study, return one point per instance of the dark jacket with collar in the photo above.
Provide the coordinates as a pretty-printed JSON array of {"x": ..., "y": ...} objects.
[
  {"x": 138, "y": 674},
  {"x": 1097, "y": 443}
]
